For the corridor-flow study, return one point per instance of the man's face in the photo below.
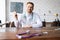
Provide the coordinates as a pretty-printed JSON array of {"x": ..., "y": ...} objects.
[{"x": 29, "y": 8}]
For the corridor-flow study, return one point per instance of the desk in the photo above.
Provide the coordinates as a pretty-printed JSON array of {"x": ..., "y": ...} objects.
[{"x": 8, "y": 34}]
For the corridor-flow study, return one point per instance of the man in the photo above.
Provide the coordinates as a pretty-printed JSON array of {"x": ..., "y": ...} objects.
[{"x": 30, "y": 19}]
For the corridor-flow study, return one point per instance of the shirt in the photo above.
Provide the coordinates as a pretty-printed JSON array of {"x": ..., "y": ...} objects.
[{"x": 32, "y": 19}]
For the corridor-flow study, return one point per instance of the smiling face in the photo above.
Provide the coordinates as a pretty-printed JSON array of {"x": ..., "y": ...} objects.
[{"x": 30, "y": 7}]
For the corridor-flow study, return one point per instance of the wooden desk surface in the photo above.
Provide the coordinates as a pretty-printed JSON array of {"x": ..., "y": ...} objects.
[{"x": 10, "y": 33}]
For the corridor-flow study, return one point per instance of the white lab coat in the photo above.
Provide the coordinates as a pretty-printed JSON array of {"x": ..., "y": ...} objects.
[{"x": 32, "y": 19}]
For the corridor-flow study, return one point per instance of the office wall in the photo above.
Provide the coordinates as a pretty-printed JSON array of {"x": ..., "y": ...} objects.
[
  {"x": 2, "y": 11},
  {"x": 48, "y": 7}
]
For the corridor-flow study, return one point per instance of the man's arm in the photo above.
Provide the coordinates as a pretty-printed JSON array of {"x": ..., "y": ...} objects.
[
  {"x": 17, "y": 22},
  {"x": 38, "y": 22}
]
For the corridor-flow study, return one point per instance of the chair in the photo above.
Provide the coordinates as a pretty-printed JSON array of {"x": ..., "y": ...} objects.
[{"x": 10, "y": 24}]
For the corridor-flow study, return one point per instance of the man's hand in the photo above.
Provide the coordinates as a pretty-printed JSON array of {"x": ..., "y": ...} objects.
[{"x": 27, "y": 26}]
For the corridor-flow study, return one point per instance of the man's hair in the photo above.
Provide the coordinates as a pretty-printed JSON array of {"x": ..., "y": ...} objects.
[{"x": 30, "y": 3}]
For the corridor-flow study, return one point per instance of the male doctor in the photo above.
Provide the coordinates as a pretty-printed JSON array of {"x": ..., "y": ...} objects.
[{"x": 29, "y": 19}]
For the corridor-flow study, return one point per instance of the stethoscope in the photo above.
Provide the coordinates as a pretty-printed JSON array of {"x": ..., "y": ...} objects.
[{"x": 26, "y": 17}]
